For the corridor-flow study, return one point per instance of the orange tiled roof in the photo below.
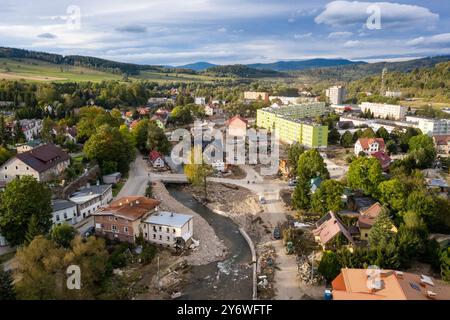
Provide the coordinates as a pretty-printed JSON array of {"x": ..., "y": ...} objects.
[
  {"x": 130, "y": 208},
  {"x": 366, "y": 142}
]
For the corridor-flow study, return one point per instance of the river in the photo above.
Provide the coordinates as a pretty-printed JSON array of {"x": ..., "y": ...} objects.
[{"x": 228, "y": 279}]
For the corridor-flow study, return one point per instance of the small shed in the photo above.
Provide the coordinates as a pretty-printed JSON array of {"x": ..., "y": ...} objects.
[{"x": 112, "y": 178}]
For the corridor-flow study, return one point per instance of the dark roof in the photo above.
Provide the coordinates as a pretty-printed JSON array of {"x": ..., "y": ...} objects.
[
  {"x": 60, "y": 204},
  {"x": 44, "y": 157}
]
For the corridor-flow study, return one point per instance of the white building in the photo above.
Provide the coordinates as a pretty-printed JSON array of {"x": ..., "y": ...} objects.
[
  {"x": 336, "y": 94},
  {"x": 168, "y": 228},
  {"x": 65, "y": 211},
  {"x": 369, "y": 145},
  {"x": 431, "y": 127},
  {"x": 91, "y": 199},
  {"x": 285, "y": 100},
  {"x": 201, "y": 101},
  {"x": 31, "y": 128},
  {"x": 393, "y": 94},
  {"x": 383, "y": 110}
]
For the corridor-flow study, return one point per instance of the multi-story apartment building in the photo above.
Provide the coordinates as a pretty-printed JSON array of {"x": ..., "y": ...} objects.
[
  {"x": 254, "y": 95},
  {"x": 336, "y": 94},
  {"x": 122, "y": 218},
  {"x": 290, "y": 124},
  {"x": 434, "y": 127},
  {"x": 382, "y": 110},
  {"x": 168, "y": 229},
  {"x": 91, "y": 199},
  {"x": 45, "y": 163}
]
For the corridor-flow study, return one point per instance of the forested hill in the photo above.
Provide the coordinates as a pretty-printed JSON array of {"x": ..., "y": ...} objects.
[
  {"x": 359, "y": 71},
  {"x": 241, "y": 71},
  {"x": 84, "y": 61},
  {"x": 431, "y": 83}
]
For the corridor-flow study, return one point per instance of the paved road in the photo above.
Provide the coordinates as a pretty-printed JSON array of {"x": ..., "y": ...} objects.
[{"x": 137, "y": 179}]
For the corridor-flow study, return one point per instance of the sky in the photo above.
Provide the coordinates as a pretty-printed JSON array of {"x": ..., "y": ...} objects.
[{"x": 176, "y": 32}]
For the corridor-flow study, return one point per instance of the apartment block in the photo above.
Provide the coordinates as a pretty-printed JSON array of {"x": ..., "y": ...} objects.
[
  {"x": 382, "y": 110},
  {"x": 291, "y": 125},
  {"x": 336, "y": 94},
  {"x": 434, "y": 127}
]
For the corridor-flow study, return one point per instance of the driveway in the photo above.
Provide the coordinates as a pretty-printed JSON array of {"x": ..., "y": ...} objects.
[
  {"x": 137, "y": 179},
  {"x": 287, "y": 283}
]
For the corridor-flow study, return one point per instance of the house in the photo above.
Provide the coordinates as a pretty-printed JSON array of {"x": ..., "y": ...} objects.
[
  {"x": 29, "y": 145},
  {"x": 237, "y": 126},
  {"x": 369, "y": 145},
  {"x": 315, "y": 184},
  {"x": 367, "y": 219},
  {"x": 201, "y": 101},
  {"x": 253, "y": 95},
  {"x": 373, "y": 284},
  {"x": 71, "y": 134},
  {"x": 442, "y": 144},
  {"x": 134, "y": 124},
  {"x": 143, "y": 111},
  {"x": 31, "y": 128},
  {"x": 112, "y": 178},
  {"x": 330, "y": 228},
  {"x": 65, "y": 211},
  {"x": 168, "y": 229},
  {"x": 383, "y": 158},
  {"x": 156, "y": 159},
  {"x": 122, "y": 218},
  {"x": 91, "y": 198},
  {"x": 213, "y": 109},
  {"x": 45, "y": 163}
]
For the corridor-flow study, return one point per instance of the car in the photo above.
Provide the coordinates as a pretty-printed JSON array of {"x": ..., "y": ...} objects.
[
  {"x": 262, "y": 200},
  {"x": 276, "y": 233},
  {"x": 292, "y": 182}
]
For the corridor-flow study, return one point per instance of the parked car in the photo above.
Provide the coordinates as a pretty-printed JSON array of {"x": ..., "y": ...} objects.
[
  {"x": 262, "y": 200},
  {"x": 277, "y": 233}
]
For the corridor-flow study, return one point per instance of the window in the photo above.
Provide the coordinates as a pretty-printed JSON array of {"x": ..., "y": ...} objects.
[
  {"x": 110, "y": 218},
  {"x": 28, "y": 168},
  {"x": 160, "y": 229},
  {"x": 65, "y": 215},
  {"x": 160, "y": 237},
  {"x": 173, "y": 231},
  {"x": 145, "y": 234},
  {"x": 168, "y": 238},
  {"x": 154, "y": 228},
  {"x": 17, "y": 168},
  {"x": 57, "y": 217},
  {"x": 167, "y": 230},
  {"x": 154, "y": 236},
  {"x": 125, "y": 229},
  {"x": 114, "y": 228}
]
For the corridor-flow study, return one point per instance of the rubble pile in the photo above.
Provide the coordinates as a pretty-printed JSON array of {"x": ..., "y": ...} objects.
[
  {"x": 266, "y": 273},
  {"x": 307, "y": 274}
]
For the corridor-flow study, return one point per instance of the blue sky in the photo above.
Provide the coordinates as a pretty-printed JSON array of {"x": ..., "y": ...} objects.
[{"x": 175, "y": 32}]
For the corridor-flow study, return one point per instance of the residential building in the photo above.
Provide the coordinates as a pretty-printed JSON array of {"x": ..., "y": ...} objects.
[
  {"x": 156, "y": 159},
  {"x": 433, "y": 127},
  {"x": 122, "y": 218},
  {"x": 3, "y": 242},
  {"x": 168, "y": 229},
  {"x": 367, "y": 219},
  {"x": 442, "y": 144},
  {"x": 393, "y": 94},
  {"x": 201, "y": 101},
  {"x": 237, "y": 126},
  {"x": 383, "y": 110},
  {"x": 31, "y": 128},
  {"x": 377, "y": 284},
  {"x": 369, "y": 145},
  {"x": 143, "y": 111},
  {"x": 329, "y": 228},
  {"x": 383, "y": 158},
  {"x": 290, "y": 124},
  {"x": 213, "y": 109},
  {"x": 253, "y": 95},
  {"x": 45, "y": 163},
  {"x": 29, "y": 145},
  {"x": 156, "y": 102},
  {"x": 285, "y": 100},
  {"x": 112, "y": 178},
  {"x": 91, "y": 198},
  {"x": 336, "y": 94},
  {"x": 65, "y": 211}
]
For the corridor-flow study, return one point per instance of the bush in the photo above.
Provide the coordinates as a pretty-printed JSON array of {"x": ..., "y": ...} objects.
[{"x": 148, "y": 253}]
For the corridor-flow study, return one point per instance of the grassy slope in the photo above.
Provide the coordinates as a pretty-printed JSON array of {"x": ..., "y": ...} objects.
[{"x": 34, "y": 70}]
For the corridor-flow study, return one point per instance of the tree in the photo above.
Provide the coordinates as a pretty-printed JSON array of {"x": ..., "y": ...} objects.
[
  {"x": 347, "y": 139},
  {"x": 311, "y": 165},
  {"x": 46, "y": 132},
  {"x": 4, "y": 136},
  {"x": 368, "y": 133},
  {"x": 333, "y": 136},
  {"x": 383, "y": 133},
  {"x": 393, "y": 194},
  {"x": 106, "y": 146},
  {"x": 329, "y": 266},
  {"x": 25, "y": 210},
  {"x": 445, "y": 264},
  {"x": 7, "y": 291},
  {"x": 328, "y": 197},
  {"x": 365, "y": 174},
  {"x": 140, "y": 134},
  {"x": 19, "y": 136},
  {"x": 421, "y": 148},
  {"x": 293, "y": 154},
  {"x": 63, "y": 234},
  {"x": 157, "y": 140},
  {"x": 381, "y": 232},
  {"x": 423, "y": 204},
  {"x": 197, "y": 171},
  {"x": 300, "y": 196},
  {"x": 4, "y": 155}
]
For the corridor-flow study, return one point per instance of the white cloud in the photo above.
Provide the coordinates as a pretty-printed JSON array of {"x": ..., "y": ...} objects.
[
  {"x": 347, "y": 13},
  {"x": 340, "y": 34},
  {"x": 222, "y": 30},
  {"x": 303, "y": 36},
  {"x": 352, "y": 44},
  {"x": 438, "y": 40}
]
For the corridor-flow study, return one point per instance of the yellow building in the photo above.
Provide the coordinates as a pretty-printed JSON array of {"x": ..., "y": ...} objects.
[{"x": 290, "y": 124}]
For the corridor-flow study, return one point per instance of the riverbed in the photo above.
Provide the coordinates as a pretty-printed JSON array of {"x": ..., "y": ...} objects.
[{"x": 227, "y": 279}]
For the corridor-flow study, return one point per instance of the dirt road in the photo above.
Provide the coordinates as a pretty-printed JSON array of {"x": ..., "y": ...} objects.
[{"x": 137, "y": 179}]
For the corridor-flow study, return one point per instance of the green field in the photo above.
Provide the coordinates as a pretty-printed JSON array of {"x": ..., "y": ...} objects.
[{"x": 40, "y": 71}]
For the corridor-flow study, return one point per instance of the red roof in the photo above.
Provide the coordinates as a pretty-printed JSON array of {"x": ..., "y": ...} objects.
[
  {"x": 134, "y": 124},
  {"x": 330, "y": 227},
  {"x": 236, "y": 118},
  {"x": 442, "y": 140},
  {"x": 368, "y": 217},
  {"x": 383, "y": 158},
  {"x": 154, "y": 155},
  {"x": 366, "y": 142}
]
